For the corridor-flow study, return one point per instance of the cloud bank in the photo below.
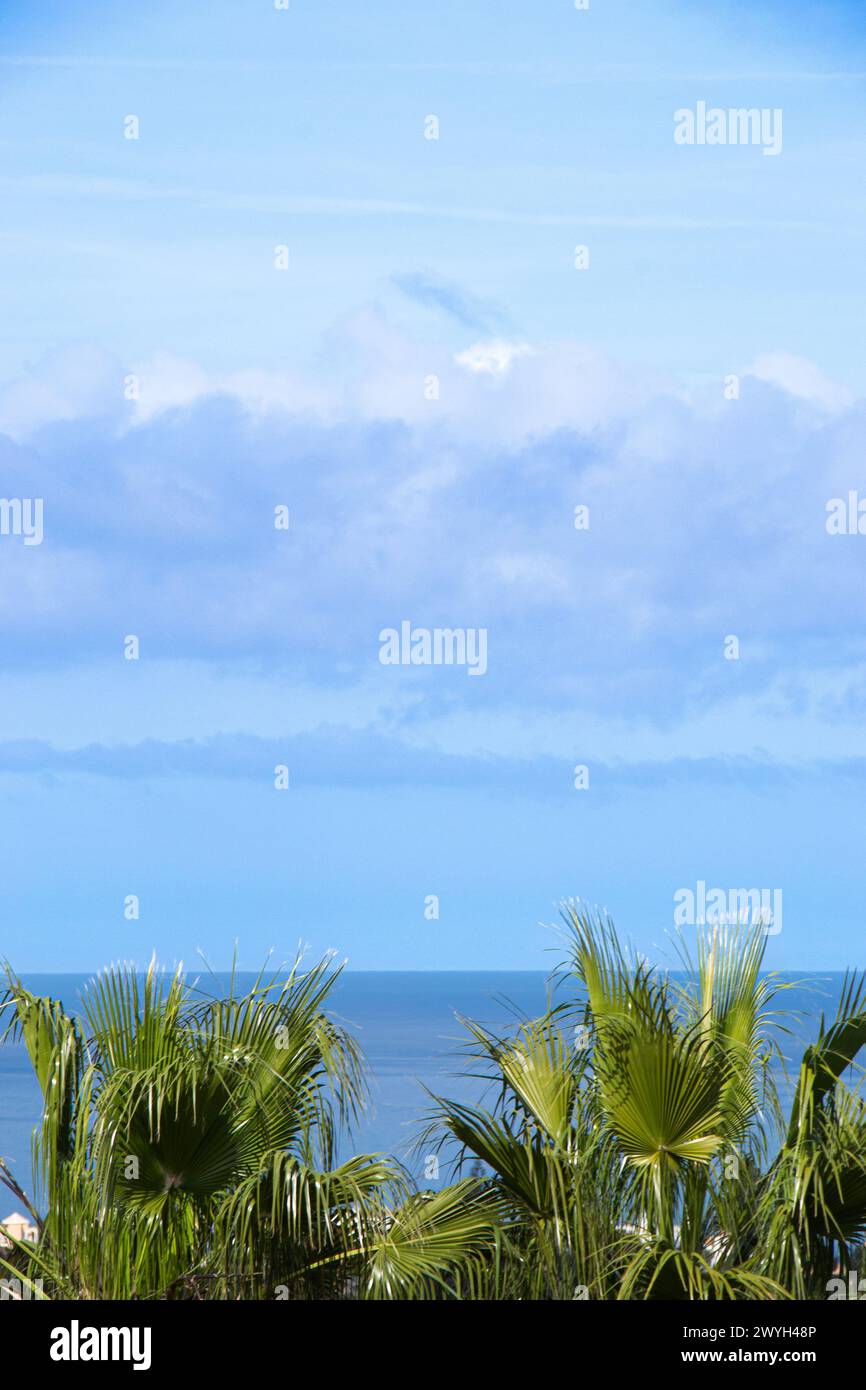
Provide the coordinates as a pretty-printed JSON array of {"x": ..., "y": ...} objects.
[{"x": 701, "y": 517}]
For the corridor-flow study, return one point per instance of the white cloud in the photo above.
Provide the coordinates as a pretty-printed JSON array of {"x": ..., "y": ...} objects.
[
  {"x": 494, "y": 357},
  {"x": 801, "y": 378},
  {"x": 70, "y": 384},
  {"x": 456, "y": 511},
  {"x": 166, "y": 382}
]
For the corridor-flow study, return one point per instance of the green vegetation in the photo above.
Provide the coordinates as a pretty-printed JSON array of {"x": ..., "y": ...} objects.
[{"x": 632, "y": 1145}]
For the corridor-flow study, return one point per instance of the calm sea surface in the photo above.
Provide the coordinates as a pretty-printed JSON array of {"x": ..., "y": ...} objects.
[{"x": 406, "y": 1025}]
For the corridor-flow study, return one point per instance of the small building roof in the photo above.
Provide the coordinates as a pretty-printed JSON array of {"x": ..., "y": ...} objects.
[{"x": 16, "y": 1219}]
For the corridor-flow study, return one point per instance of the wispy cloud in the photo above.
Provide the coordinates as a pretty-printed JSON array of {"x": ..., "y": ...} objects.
[
  {"x": 433, "y": 291},
  {"x": 607, "y": 74},
  {"x": 116, "y": 189},
  {"x": 338, "y": 757}
]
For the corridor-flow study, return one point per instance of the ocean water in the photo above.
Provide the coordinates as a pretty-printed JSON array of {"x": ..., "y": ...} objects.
[{"x": 407, "y": 1025}]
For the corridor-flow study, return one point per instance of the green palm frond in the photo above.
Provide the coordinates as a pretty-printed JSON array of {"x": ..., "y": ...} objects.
[
  {"x": 443, "y": 1244},
  {"x": 187, "y": 1145},
  {"x": 825, "y": 1061},
  {"x": 660, "y": 1271}
]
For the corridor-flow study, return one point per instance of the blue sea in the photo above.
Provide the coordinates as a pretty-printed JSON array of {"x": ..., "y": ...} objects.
[{"x": 408, "y": 1027}]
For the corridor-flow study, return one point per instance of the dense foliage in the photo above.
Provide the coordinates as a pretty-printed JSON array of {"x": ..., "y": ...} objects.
[{"x": 631, "y": 1145}]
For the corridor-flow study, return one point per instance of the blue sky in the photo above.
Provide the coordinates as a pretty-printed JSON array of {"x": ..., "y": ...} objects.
[{"x": 152, "y": 261}]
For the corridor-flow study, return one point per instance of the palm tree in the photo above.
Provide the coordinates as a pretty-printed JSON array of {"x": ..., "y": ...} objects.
[
  {"x": 812, "y": 1201},
  {"x": 633, "y": 1142},
  {"x": 556, "y": 1178},
  {"x": 629, "y": 1132},
  {"x": 187, "y": 1150}
]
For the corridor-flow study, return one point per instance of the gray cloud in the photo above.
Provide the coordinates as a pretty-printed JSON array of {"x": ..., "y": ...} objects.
[
  {"x": 704, "y": 522},
  {"x": 434, "y": 292}
]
